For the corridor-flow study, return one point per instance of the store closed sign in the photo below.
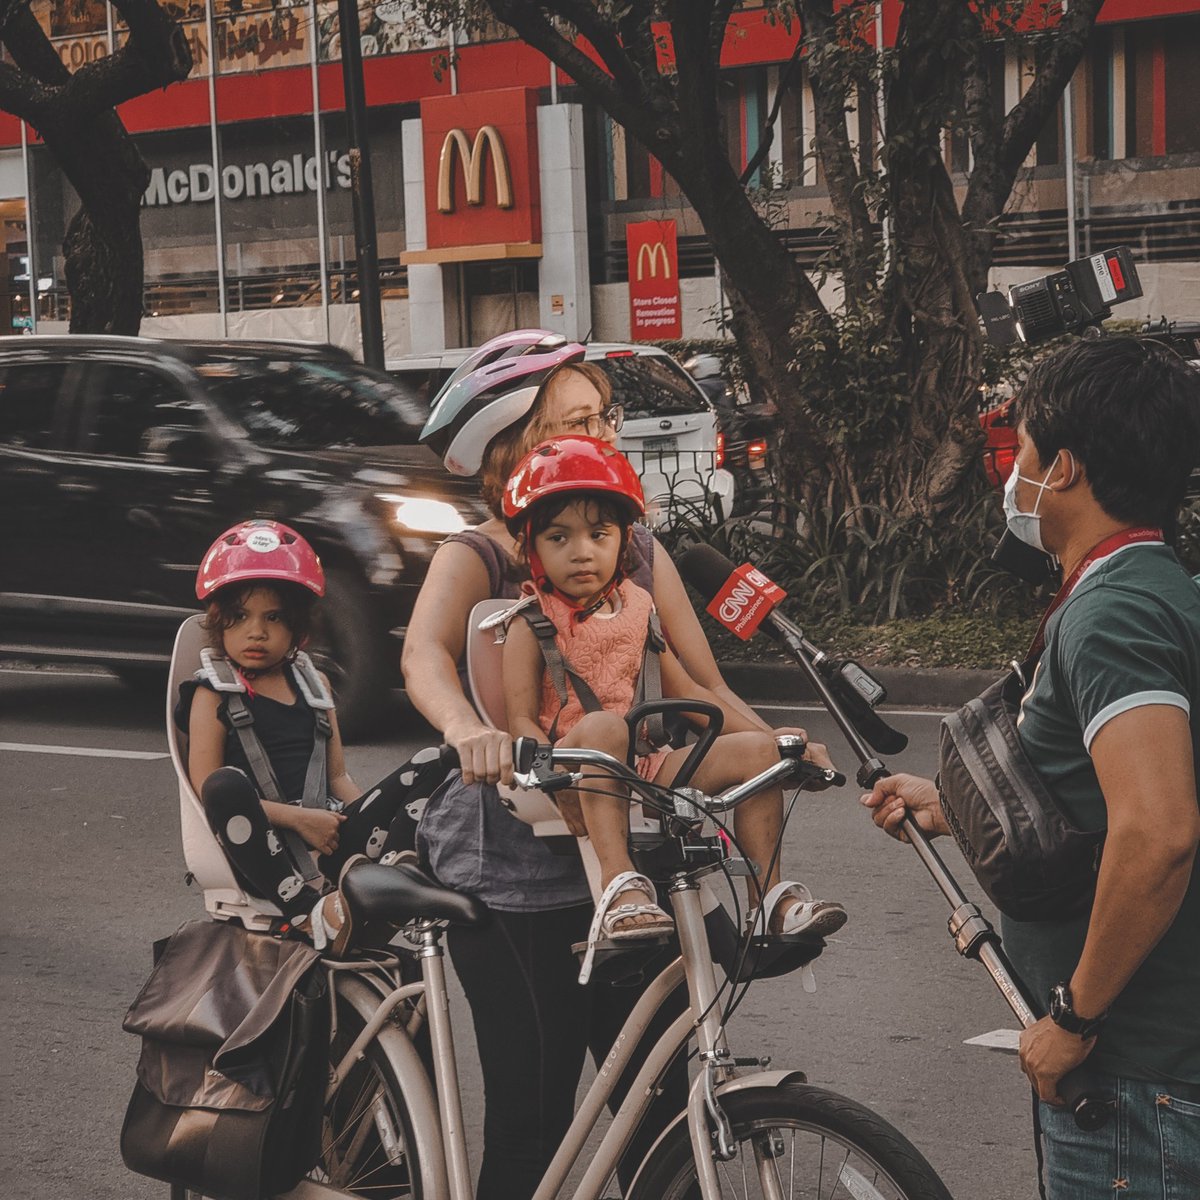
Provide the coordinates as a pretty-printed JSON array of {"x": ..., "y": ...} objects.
[
  {"x": 654, "y": 309},
  {"x": 195, "y": 184}
]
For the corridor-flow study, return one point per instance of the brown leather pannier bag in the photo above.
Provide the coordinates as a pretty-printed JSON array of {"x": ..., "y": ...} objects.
[{"x": 231, "y": 1079}]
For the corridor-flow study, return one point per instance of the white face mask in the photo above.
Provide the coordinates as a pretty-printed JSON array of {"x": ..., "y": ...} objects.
[{"x": 1027, "y": 526}]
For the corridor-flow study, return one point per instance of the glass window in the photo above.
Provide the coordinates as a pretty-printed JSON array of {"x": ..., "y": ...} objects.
[
  {"x": 125, "y": 402},
  {"x": 649, "y": 386},
  {"x": 28, "y": 404},
  {"x": 299, "y": 405}
]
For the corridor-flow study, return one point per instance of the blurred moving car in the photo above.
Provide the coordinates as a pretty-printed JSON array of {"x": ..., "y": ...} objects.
[
  {"x": 744, "y": 431},
  {"x": 122, "y": 458},
  {"x": 670, "y": 432}
]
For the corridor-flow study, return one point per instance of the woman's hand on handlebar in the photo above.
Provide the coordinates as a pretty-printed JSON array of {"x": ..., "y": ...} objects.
[
  {"x": 484, "y": 755},
  {"x": 899, "y": 796}
]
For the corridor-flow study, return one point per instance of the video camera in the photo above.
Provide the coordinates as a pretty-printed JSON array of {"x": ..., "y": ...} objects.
[{"x": 1067, "y": 301}]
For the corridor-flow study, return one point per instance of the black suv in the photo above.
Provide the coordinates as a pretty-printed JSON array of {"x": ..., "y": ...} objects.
[{"x": 121, "y": 459}]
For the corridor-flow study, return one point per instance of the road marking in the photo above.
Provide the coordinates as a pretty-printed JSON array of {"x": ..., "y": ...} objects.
[
  {"x": 1006, "y": 1040},
  {"x": 57, "y": 674},
  {"x": 883, "y": 712},
  {"x": 82, "y": 751}
]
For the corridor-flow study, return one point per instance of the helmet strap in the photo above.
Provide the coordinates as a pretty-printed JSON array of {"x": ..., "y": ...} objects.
[{"x": 543, "y": 583}]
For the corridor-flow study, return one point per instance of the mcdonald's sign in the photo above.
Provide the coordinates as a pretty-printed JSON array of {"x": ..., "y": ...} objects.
[
  {"x": 470, "y": 154},
  {"x": 482, "y": 191},
  {"x": 654, "y": 307}
]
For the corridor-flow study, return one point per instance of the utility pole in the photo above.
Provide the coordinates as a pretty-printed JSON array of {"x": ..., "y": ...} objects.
[{"x": 370, "y": 311}]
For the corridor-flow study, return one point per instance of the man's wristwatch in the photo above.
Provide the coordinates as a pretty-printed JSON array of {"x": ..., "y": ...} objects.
[{"x": 1062, "y": 1013}]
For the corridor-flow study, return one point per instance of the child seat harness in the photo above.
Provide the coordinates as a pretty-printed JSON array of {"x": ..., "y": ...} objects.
[
  {"x": 651, "y": 734},
  {"x": 218, "y": 672}
]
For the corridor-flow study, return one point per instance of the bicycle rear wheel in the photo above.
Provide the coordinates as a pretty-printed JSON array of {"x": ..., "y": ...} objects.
[
  {"x": 368, "y": 1147},
  {"x": 792, "y": 1141}
]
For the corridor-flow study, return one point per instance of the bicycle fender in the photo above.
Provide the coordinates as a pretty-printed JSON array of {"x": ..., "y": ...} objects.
[
  {"x": 418, "y": 1092},
  {"x": 760, "y": 1079}
]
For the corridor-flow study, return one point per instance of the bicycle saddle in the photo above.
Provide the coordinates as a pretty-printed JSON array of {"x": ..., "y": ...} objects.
[{"x": 398, "y": 894}]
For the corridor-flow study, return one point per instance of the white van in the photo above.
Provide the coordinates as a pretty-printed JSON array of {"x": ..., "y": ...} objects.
[{"x": 670, "y": 431}]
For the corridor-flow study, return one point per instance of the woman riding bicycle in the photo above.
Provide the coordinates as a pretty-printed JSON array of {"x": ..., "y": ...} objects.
[{"x": 533, "y": 1022}]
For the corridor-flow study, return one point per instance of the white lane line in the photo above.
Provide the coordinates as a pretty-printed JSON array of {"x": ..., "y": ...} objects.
[
  {"x": 883, "y": 712},
  {"x": 58, "y": 674},
  {"x": 1006, "y": 1040},
  {"x": 82, "y": 751}
]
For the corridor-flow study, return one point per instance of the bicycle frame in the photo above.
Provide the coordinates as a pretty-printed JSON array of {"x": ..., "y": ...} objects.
[{"x": 436, "y": 1113}]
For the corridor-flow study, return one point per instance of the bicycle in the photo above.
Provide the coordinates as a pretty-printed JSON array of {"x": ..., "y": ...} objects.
[{"x": 389, "y": 1132}]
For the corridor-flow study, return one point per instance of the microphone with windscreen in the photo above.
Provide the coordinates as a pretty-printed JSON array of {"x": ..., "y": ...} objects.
[{"x": 743, "y": 599}]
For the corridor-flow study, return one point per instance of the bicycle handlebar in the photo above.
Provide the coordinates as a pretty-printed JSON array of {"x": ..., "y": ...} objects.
[{"x": 527, "y": 752}]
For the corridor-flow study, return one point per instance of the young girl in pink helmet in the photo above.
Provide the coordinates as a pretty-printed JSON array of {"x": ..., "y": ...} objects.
[
  {"x": 571, "y": 504},
  {"x": 285, "y": 791}
]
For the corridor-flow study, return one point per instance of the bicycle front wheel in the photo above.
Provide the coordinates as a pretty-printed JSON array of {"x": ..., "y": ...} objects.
[{"x": 793, "y": 1141}]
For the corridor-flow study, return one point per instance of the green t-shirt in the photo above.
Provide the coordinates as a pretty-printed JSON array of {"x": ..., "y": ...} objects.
[{"x": 1128, "y": 636}]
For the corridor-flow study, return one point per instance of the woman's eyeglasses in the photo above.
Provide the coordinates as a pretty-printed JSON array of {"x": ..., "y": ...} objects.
[{"x": 593, "y": 425}]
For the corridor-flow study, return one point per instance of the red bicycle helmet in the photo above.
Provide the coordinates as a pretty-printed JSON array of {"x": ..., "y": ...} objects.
[
  {"x": 254, "y": 550},
  {"x": 570, "y": 464},
  {"x": 557, "y": 468}
]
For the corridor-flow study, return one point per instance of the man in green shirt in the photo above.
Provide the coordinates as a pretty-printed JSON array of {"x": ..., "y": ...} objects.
[{"x": 1109, "y": 431}]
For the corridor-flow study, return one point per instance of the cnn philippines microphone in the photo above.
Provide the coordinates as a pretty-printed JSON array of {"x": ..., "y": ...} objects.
[{"x": 743, "y": 599}]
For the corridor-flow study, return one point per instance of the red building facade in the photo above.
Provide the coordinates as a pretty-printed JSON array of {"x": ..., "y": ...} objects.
[{"x": 247, "y": 219}]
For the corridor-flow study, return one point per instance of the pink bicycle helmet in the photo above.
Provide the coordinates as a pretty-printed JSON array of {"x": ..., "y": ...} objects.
[
  {"x": 493, "y": 388},
  {"x": 259, "y": 550}
]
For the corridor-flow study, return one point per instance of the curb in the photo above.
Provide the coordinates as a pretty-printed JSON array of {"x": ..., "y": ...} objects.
[{"x": 917, "y": 687}]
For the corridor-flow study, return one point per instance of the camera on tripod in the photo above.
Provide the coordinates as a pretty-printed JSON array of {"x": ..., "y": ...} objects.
[{"x": 1068, "y": 301}]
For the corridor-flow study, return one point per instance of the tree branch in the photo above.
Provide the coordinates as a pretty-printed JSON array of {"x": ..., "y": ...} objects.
[
  {"x": 1056, "y": 57},
  {"x": 23, "y": 95},
  {"x": 31, "y": 49},
  {"x": 830, "y": 79}
]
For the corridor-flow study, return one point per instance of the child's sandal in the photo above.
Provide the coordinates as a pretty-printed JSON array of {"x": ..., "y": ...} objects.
[
  {"x": 815, "y": 917},
  {"x": 606, "y": 919}
]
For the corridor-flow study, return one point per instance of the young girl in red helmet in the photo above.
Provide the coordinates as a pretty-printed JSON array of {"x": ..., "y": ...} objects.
[
  {"x": 571, "y": 505},
  {"x": 261, "y": 582}
]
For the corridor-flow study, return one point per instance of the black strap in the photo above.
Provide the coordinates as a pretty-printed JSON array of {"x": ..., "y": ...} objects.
[
  {"x": 558, "y": 667},
  {"x": 652, "y": 733}
]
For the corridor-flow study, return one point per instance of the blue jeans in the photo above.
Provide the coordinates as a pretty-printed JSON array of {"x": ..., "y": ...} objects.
[{"x": 1149, "y": 1151}]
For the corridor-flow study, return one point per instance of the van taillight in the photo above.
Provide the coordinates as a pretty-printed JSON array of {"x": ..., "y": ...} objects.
[{"x": 720, "y": 449}]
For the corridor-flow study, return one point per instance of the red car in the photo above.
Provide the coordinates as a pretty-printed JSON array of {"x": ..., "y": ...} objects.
[{"x": 1000, "y": 449}]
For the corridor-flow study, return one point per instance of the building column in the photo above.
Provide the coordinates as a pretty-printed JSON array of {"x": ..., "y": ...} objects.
[
  {"x": 427, "y": 291},
  {"x": 564, "y": 284}
]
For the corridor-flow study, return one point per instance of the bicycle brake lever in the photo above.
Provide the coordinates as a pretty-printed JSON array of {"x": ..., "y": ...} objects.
[{"x": 809, "y": 774}]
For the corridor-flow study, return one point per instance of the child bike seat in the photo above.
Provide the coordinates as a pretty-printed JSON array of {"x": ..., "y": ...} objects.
[{"x": 224, "y": 897}]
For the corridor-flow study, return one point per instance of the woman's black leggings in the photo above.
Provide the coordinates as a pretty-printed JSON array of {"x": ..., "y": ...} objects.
[
  {"x": 533, "y": 1023},
  {"x": 376, "y": 823}
]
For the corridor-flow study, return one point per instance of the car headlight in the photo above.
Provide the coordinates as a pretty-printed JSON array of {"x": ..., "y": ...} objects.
[{"x": 419, "y": 514}]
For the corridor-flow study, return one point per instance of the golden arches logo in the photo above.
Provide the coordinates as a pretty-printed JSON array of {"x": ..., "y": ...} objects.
[
  {"x": 650, "y": 254},
  {"x": 487, "y": 141}
]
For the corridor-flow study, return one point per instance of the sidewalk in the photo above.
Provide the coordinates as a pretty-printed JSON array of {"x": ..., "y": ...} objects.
[{"x": 915, "y": 687}]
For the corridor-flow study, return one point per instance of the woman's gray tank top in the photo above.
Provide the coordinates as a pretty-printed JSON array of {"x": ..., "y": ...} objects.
[{"x": 470, "y": 840}]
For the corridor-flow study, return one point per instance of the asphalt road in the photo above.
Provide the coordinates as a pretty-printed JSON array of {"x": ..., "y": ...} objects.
[{"x": 94, "y": 873}]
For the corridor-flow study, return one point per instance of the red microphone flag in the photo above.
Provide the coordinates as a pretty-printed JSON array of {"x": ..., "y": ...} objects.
[{"x": 744, "y": 601}]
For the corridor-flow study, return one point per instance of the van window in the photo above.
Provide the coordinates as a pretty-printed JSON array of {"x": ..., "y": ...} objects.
[
  {"x": 123, "y": 401},
  {"x": 295, "y": 404},
  {"x": 650, "y": 386},
  {"x": 28, "y": 403}
]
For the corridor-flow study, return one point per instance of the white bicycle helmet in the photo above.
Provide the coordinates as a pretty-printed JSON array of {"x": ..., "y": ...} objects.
[{"x": 493, "y": 388}]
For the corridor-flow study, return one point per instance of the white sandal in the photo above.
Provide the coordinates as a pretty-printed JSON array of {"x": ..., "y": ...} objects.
[
  {"x": 606, "y": 918},
  {"x": 817, "y": 917}
]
